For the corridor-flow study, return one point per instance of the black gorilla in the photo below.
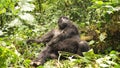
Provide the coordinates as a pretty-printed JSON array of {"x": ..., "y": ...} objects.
[{"x": 65, "y": 38}]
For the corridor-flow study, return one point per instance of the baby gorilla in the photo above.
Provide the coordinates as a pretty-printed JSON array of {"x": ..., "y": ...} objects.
[{"x": 65, "y": 38}]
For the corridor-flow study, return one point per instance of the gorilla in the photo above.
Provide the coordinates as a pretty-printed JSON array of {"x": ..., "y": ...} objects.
[{"x": 65, "y": 38}]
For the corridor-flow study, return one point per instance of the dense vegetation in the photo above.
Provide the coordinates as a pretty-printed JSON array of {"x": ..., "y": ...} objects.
[{"x": 98, "y": 21}]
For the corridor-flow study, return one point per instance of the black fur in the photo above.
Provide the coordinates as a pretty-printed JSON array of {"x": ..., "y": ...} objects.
[{"x": 65, "y": 38}]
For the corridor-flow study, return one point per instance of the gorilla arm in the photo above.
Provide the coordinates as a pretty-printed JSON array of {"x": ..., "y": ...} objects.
[
  {"x": 44, "y": 39},
  {"x": 66, "y": 33}
]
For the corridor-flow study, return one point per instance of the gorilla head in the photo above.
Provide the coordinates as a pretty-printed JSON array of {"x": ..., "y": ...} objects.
[{"x": 63, "y": 22}]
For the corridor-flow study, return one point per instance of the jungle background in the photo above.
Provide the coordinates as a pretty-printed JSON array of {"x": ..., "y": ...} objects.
[{"x": 97, "y": 20}]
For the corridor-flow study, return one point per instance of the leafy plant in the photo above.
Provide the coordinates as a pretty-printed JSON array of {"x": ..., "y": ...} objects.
[{"x": 98, "y": 21}]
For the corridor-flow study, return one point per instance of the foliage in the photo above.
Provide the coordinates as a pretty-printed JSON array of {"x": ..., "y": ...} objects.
[
  {"x": 98, "y": 21},
  {"x": 7, "y": 57},
  {"x": 90, "y": 60}
]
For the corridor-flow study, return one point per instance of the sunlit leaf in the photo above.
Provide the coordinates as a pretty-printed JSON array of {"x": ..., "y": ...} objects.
[
  {"x": 27, "y": 7},
  {"x": 102, "y": 36},
  {"x": 99, "y": 2},
  {"x": 27, "y": 17},
  {"x": 3, "y": 43},
  {"x": 104, "y": 65},
  {"x": 2, "y": 11},
  {"x": 113, "y": 52},
  {"x": 110, "y": 62},
  {"x": 109, "y": 6},
  {"x": 45, "y": 6},
  {"x": 91, "y": 42},
  {"x": 100, "y": 60},
  {"x": 29, "y": 0},
  {"x": 115, "y": 1},
  {"x": 109, "y": 12},
  {"x": 15, "y": 22},
  {"x": 87, "y": 22},
  {"x": 17, "y": 7},
  {"x": 98, "y": 31},
  {"x": 1, "y": 33},
  {"x": 90, "y": 54}
]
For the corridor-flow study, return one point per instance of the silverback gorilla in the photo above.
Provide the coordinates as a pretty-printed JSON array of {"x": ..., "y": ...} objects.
[{"x": 65, "y": 38}]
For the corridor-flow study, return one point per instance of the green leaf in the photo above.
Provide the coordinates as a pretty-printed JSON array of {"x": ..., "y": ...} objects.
[
  {"x": 27, "y": 63},
  {"x": 28, "y": 17},
  {"x": 2, "y": 11},
  {"x": 15, "y": 22},
  {"x": 104, "y": 65},
  {"x": 1, "y": 33},
  {"x": 99, "y": 2},
  {"x": 91, "y": 42},
  {"x": 25, "y": 6},
  {"x": 90, "y": 54}
]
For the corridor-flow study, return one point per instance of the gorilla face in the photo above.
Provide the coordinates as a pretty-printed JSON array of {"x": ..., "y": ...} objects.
[
  {"x": 62, "y": 25},
  {"x": 62, "y": 22}
]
